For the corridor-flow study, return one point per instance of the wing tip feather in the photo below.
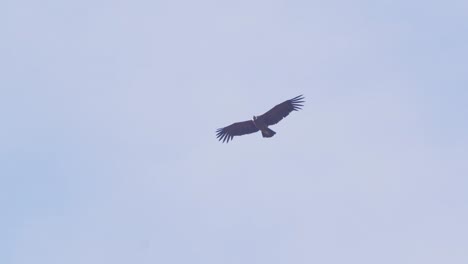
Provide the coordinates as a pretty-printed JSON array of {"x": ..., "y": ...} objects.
[
  {"x": 222, "y": 136},
  {"x": 297, "y": 102}
]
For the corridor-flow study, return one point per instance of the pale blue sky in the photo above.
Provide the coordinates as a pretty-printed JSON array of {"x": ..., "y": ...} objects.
[{"x": 109, "y": 109}]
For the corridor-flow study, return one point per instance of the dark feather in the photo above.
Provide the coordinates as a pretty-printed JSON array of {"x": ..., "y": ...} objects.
[
  {"x": 277, "y": 113},
  {"x": 237, "y": 129}
]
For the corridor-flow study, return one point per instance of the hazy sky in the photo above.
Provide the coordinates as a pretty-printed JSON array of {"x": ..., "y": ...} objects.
[{"x": 108, "y": 113}]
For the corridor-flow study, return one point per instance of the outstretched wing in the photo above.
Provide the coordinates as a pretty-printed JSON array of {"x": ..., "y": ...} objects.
[
  {"x": 282, "y": 110},
  {"x": 237, "y": 129}
]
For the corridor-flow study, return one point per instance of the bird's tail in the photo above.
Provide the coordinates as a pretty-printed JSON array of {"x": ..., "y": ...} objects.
[{"x": 268, "y": 133}]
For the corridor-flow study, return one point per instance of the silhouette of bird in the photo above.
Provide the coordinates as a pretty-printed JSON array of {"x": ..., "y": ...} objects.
[{"x": 261, "y": 123}]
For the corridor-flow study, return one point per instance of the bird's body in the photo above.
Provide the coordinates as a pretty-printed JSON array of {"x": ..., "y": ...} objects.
[
  {"x": 262, "y": 126},
  {"x": 261, "y": 123}
]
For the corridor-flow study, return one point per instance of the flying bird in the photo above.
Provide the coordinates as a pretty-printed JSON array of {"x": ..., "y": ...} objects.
[{"x": 261, "y": 123}]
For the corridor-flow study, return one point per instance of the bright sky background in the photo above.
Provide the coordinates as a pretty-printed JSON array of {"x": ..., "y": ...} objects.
[{"x": 108, "y": 113}]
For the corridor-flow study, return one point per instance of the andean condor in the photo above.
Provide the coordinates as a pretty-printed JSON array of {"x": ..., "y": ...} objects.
[{"x": 262, "y": 122}]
